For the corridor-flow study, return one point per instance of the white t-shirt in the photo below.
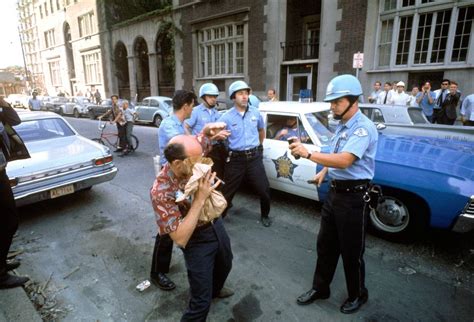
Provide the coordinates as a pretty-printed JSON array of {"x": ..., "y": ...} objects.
[{"x": 399, "y": 99}]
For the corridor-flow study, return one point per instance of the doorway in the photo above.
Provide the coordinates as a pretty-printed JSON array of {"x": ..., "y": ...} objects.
[{"x": 296, "y": 83}]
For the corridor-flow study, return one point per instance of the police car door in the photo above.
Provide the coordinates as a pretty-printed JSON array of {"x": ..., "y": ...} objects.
[{"x": 284, "y": 172}]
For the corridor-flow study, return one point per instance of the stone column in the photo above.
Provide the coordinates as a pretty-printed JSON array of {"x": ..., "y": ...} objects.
[
  {"x": 152, "y": 67},
  {"x": 132, "y": 74}
]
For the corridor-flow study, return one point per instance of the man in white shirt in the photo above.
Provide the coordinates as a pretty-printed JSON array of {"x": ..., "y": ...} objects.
[
  {"x": 376, "y": 92},
  {"x": 400, "y": 97},
  {"x": 384, "y": 97},
  {"x": 412, "y": 100}
]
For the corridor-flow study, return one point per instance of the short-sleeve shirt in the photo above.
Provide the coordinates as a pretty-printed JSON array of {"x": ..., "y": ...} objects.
[
  {"x": 35, "y": 104},
  {"x": 357, "y": 136},
  {"x": 425, "y": 104},
  {"x": 163, "y": 196},
  {"x": 243, "y": 128},
  {"x": 128, "y": 114},
  {"x": 467, "y": 107},
  {"x": 200, "y": 116},
  {"x": 169, "y": 128},
  {"x": 299, "y": 132}
]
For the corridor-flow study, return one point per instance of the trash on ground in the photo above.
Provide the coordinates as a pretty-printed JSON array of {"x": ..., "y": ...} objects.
[
  {"x": 406, "y": 270},
  {"x": 143, "y": 285}
]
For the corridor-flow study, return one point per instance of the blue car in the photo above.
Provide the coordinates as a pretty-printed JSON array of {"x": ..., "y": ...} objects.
[{"x": 427, "y": 181}]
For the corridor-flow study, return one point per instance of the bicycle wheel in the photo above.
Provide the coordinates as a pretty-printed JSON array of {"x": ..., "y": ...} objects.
[{"x": 134, "y": 144}]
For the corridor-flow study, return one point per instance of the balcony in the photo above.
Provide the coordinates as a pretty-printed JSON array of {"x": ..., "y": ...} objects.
[{"x": 299, "y": 50}]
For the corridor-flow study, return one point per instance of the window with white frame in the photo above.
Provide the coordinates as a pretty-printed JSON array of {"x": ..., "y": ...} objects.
[
  {"x": 433, "y": 35},
  {"x": 221, "y": 50},
  {"x": 49, "y": 40},
  {"x": 54, "y": 73},
  {"x": 92, "y": 69},
  {"x": 86, "y": 24}
]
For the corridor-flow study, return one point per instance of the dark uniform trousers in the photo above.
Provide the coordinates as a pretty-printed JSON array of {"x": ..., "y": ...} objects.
[
  {"x": 162, "y": 252},
  {"x": 8, "y": 219},
  {"x": 251, "y": 168},
  {"x": 342, "y": 232},
  {"x": 208, "y": 257},
  {"x": 218, "y": 155}
]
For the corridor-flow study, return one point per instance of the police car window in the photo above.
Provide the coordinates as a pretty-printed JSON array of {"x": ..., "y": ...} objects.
[
  {"x": 367, "y": 112},
  {"x": 377, "y": 116},
  {"x": 319, "y": 121},
  {"x": 416, "y": 116}
]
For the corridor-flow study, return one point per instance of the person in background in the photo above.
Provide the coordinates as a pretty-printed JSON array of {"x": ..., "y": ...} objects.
[
  {"x": 412, "y": 99},
  {"x": 467, "y": 111},
  {"x": 426, "y": 100},
  {"x": 97, "y": 97},
  {"x": 8, "y": 212},
  {"x": 375, "y": 93},
  {"x": 385, "y": 95},
  {"x": 448, "y": 113},
  {"x": 34, "y": 103},
  {"x": 113, "y": 113},
  {"x": 126, "y": 119},
  {"x": 271, "y": 95},
  {"x": 292, "y": 129},
  {"x": 400, "y": 97},
  {"x": 441, "y": 95}
]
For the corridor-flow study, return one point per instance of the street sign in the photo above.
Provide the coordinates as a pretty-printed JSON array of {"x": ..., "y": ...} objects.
[{"x": 358, "y": 61}]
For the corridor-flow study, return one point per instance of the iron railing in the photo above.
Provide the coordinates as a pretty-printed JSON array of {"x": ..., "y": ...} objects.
[{"x": 299, "y": 50}]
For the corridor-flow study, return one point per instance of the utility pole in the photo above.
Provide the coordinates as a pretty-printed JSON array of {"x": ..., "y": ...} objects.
[{"x": 28, "y": 77}]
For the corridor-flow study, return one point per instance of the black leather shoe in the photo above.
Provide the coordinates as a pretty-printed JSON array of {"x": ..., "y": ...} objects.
[
  {"x": 10, "y": 281},
  {"x": 353, "y": 306},
  {"x": 311, "y": 296},
  {"x": 266, "y": 221},
  {"x": 163, "y": 282},
  {"x": 11, "y": 265},
  {"x": 118, "y": 150}
]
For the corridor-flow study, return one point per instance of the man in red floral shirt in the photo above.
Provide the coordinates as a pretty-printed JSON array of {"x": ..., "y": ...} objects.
[{"x": 206, "y": 246}]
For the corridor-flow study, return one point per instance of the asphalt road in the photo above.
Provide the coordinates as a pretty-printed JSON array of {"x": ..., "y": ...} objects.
[{"x": 92, "y": 249}]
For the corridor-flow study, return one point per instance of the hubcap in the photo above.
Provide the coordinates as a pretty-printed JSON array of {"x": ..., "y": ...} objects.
[{"x": 390, "y": 216}]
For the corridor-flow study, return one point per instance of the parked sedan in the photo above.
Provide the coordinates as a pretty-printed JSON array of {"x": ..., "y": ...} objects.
[
  {"x": 426, "y": 181},
  {"x": 56, "y": 104},
  {"x": 62, "y": 161},
  {"x": 76, "y": 106},
  {"x": 94, "y": 111},
  {"x": 154, "y": 109}
]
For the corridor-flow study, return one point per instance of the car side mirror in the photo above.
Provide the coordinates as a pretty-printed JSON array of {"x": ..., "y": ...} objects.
[{"x": 380, "y": 126}]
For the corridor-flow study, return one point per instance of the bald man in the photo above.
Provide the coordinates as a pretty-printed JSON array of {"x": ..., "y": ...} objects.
[{"x": 206, "y": 246}]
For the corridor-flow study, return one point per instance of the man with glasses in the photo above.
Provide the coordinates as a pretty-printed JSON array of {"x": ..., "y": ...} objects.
[{"x": 441, "y": 95}]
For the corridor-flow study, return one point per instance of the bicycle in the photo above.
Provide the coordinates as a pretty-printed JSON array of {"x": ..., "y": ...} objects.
[{"x": 111, "y": 139}]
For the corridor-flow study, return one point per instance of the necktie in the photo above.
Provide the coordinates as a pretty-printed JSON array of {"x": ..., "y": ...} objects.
[{"x": 385, "y": 99}]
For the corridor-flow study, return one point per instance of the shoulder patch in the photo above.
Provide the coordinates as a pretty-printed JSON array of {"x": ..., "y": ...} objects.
[{"x": 361, "y": 132}]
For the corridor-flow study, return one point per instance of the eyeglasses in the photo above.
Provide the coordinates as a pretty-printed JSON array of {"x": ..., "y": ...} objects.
[{"x": 444, "y": 83}]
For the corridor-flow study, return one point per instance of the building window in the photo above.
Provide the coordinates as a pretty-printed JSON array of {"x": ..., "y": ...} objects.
[
  {"x": 46, "y": 8},
  {"x": 40, "y": 8},
  {"x": 385, "y": 42},
  {"x": 408, "y": 3},
  {"x": 221, "y": 50},
  {"x": 54, "y": 73},
  {"x": 92, "y": 69},
  {"x": 390, "y": 5},
  {"x": 49, "y": 38},
  {"x": 463, "y": 32},
  {"x": 404, "y": 40},
  {"x": 439, "y": 36},
  {"x": 86, "y": 24}
]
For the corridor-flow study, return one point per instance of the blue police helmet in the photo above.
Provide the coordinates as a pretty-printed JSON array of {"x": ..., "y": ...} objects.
[
  {"x": 208, "y": 89},
  {"x": 237, "y": 86},
  {"x": 343, "y": 85},
  {"x": 254, "y": 101}
]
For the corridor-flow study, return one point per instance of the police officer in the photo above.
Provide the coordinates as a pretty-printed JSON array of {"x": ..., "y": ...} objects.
[
  {"x": 344, "y": 215},
  {"x": 207, "y": 113},
  {"x": 245, "y": 156}
]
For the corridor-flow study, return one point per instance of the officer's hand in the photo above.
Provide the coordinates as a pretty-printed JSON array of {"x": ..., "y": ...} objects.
[
  {"x": 206, "y": 185},
  {"x": 215, "y": 127},
  {"x": 284, "y": 132},
  {"x": 221, "y": 135},
  {"x": 297, "y": 148}
]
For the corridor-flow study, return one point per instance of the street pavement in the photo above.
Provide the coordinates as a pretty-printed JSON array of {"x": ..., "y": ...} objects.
[{"x": 96, "y": 246}]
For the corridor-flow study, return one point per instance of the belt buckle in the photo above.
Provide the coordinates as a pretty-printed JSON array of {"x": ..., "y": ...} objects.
[{"x": 249, "y": 153}]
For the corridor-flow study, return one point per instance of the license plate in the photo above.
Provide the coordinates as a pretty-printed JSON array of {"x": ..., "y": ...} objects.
[{"x": 61, "y": 191}]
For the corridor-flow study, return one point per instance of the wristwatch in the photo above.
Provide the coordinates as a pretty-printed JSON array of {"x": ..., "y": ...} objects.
[{"x": 309, "y": 155}]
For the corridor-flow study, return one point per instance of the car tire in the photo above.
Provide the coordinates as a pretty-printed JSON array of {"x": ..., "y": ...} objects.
[
  {"x": 157, "y": 120},
  {"x": 76, "y": 113},
  {"x": 400, "y": 216},
  {"x": 91, "y": 115}
]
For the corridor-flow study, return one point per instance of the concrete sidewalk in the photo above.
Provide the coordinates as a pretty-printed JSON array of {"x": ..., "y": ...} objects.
[{"x": 16, "y": 306}]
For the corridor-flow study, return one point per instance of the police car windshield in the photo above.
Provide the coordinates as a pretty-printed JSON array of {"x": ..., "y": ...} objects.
[{"x": 319, "y": 121}]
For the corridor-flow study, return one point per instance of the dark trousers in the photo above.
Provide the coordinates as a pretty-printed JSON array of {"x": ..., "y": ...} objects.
[
  {"x": 468, "y": 123},
  {"x": 208, "y": 258},
  {"x": 161, "y": 260},
  {"x": 435, "y": 116},
  {"x": 121, "y": 129},
  {"x": 218, "y": 155},
  {"x": 444, "y": 119},
  {"x": 342, "y": 232},
  {"x": 8, "y": 219},
  {"x": 251, "y": 169},
  {"x": 128, "y": 129}
]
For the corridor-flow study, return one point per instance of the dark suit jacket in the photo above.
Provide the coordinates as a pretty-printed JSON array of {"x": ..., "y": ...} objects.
[{"x": 450, "y": 104}]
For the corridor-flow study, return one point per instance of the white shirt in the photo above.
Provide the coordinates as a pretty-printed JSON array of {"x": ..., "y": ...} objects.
[
  {"x": 399, "y": 99},
  {"x": 412, "y": 101},
  {"x": 381, "y": 97}
]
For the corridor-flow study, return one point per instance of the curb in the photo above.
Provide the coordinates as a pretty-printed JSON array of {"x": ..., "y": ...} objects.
[{"x": 16, "y": 306}]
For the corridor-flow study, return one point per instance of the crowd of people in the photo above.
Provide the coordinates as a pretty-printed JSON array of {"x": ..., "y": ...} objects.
[{"x": 441, "y": 106}]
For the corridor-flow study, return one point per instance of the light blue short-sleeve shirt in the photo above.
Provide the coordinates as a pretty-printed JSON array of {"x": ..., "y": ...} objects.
[
  {"x": 169, "y": 128},
  {"x": 357, "y": 136},
  {"x": 243, "y": 128},
  {"x": 425, "y": 104},
  {"x": 200, "y": 116},
  {"x": 467, "y": 107}
]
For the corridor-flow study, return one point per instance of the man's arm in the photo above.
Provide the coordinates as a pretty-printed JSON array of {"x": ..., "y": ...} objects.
[
  {"x": 430, "y": 98},
  {"x": 261, "y": 135}
]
